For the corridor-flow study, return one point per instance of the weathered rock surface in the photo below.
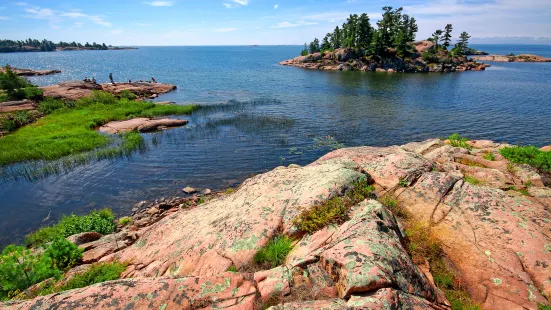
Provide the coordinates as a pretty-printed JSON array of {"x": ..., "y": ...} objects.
[
  {"x": 31, "y": 72},
  {"x": 20, "y": 105},
  {"x": 73, "y": 90},
  {"x": 515, "y": 58},
  {"x": 498, "y": 239},
  {"x": 348, "y": 59},
  {"x": 141, "y": 124},
  {"x": 85, "y": 237}
]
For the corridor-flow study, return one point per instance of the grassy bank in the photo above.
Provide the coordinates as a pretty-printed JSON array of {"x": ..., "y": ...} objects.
[{"x": 71, "y": 130}]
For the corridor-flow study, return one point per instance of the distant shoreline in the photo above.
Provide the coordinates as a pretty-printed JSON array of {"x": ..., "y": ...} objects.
[{"x": 69, "y": 49}]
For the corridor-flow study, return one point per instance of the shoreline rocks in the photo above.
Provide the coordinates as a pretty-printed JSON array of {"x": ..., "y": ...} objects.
[
  {"x": 512, "y": 58},
  {"x": 179, "y": 250},
  {"x": 31, "y": 72},
  {"x": 141, "y": 124},
  {"x": 74, "y": 90},
  {"x": 348, "y": 59}
]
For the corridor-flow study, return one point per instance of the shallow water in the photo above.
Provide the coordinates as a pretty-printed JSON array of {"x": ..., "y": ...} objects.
[{"x": 271, "y": 116}]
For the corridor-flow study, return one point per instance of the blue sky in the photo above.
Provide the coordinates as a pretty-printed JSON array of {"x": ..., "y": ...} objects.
[{"x": 236, "y": 22}]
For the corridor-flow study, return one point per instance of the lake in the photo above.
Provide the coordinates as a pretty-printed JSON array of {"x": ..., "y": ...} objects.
[{"x": 260, "y": 115}]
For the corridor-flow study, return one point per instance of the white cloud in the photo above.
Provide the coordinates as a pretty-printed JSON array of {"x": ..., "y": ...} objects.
[
  {"x": 276, "y": 6},
  {"x": 73, "y": 14},
  {"x": 229, "y": 5},
  {"x": 297, "y": 24},
  {"x": 160, "y": 3},
  {"x": 40, "y": 13},
  {"x": 225, "y": 29},
  {"x": 242, "y": 2},
  {"x": 144, "y": 25},
  {"x": 21, "y": 3},
  {"x": 117, "y": 31},
  {"x": 100, "y": 21}
]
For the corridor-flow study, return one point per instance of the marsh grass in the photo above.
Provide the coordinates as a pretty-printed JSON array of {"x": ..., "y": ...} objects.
[{"x": 69, "y": 131}]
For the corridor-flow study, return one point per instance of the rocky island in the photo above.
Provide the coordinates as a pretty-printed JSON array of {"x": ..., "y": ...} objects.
[
  {"x": 30, "y": 72},
  {"x": 390, "y": 47},
  {"x": 425, "y": 225},
  {"x": 33, "y": 45},
  {"x": 513, "y": 58}
]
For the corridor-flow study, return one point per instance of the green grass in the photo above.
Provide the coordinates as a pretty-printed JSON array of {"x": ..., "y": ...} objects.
[
  {"x": 489, "y": 156},
  {"x": 458, "y": 141},
  {"x": 530, "y": 155},
  {"x": 275, "y": 252},
  {"x": 101, "y": 221},
  {"x": 334, "y": 210},
  {"x": 543, "y": 307},
  {"x": 98, "y": 273},
  {"x": 522, "y": 191},
  {"x": 69, "y": 131},
  {"x": 123, "y": 221},
  {"x": 232, "y": 268},
  {"x": 472, "y": 180}
]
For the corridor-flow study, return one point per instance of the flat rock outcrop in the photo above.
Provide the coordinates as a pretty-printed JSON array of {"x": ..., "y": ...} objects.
[
  {"x": 31, "y": 72},
  {"x": 348, "y": 59},
  {"x": 141, "y": 124},
  {"x": 497, "y": 238},
  {"x": 19, "y": 105},
  {"x": 513, "y": 58},
  {"x": 74, "y": 90}
]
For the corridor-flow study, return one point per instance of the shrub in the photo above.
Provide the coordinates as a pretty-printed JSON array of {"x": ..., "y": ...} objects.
[
  {"x": 126, "y": 94},
  {"x": 392, "y": 204},
  {"x": 49, "y": 105},
  {"x": 530, "y": 155},
  {"x": 123, "y": 221},
  {"x": 334, "y": 210},
  {"x": 101, "y": 221},
  {"x": 489, "y": 156},
  {"x": 30, "y": 92},
  {"x": 429, "y": 57},
  {"x": 275, "y": 252},
  {"x": 97, "y": 97},
  {"x": 10, "y": 81},
  {"x": 20, "y": 268},
  {"x": 458, "y": 141},
  {"x": 63, "y": 253},
  {"x": 98, "y": 273},
  {"x": 232, "y": 268}
]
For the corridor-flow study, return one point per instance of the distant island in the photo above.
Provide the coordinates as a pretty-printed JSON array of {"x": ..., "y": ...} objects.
[
  {"x": 390, "y": 47},
  {"x": 33, "y": 45},
  {"x": 513, "y": 58}
]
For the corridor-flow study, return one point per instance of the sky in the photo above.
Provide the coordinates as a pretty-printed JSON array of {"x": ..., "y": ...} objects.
[{"x": 262, "y": 22}]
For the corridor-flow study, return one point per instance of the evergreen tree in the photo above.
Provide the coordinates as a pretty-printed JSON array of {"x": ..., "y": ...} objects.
[
  {"x": 336, "y": 38},
  {"x": 314, "y": 46},
  {"x": 325, "y": 44},
  {"x": 447, "y": 36},
  {"x": 436, "y": 36},
  {"x": 412, "y": 29},
  {"x": 304, "y": 51},
  {"x": 463, "y": 44},
  {"x": 364, "y": 32}
]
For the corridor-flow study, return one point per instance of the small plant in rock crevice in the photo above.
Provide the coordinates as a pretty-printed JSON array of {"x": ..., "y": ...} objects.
[
  {"x": 457, "y": 141},
  {"x": 334, "y": 210},
  {"x": 275, "y": 252},
  {"x": 489, "y": 156}
]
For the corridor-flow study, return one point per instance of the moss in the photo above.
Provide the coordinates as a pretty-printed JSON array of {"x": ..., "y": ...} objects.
[{"x": 123, "y": 221}]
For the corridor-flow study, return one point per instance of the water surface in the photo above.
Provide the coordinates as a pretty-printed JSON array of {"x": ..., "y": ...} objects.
[{"x": 270, "y": 116}]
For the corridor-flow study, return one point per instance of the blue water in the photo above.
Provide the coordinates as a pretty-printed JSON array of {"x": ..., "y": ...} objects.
[{"x": 270, "y": 116}]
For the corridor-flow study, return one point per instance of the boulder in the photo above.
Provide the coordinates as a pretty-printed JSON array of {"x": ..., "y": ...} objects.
[
  {"x": 95, "y": 250},
  {"x": 85, "y": 237},
  {"x": 423, "y": 46},
  {"x": 189, "y": 190},
  {"x": 344, "y": 54},
  {"x": 141, "y": 124}
]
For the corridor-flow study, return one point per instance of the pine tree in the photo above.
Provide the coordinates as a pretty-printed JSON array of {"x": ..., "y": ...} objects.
[
  {"x": 364, "y": 32},
  {"x": 436, "y": 36},
  {"x": 336, "y": 38},
  {"x": 447, "y": 36},
  {"x": 326, "y": 45}
]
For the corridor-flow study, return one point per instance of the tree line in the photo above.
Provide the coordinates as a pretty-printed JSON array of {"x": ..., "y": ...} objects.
[
  {"x": 44, "y": 45},
  {"x": 394, "y": 30}
]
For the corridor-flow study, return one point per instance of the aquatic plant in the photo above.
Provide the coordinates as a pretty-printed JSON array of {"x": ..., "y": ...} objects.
[{"x": 70, "y": 131}]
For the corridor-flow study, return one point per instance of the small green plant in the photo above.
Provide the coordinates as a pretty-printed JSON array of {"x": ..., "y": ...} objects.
[
  {"x": 201, "y": 200},
  {"x": 522, "y": 191},
  {"x": 334, "y": 210},
  {"x": 232, "y": 268},
  {"x": 275, "y": 252},
  {"x": 99, "y": 272},
  {"x": 403, "y": 183},
  {"x": 544, "y": 306},
  {"x": 489, "y": 156},
  {"x": 457, "y": 141},
  {"x": 126, "y": 94},
  {"x": 472, "y": 180},
  {"x": 49, "y": 105},
  {"x": 529, "y": 155},
  {"x": 394, "y": 206},
  {"x": 63, "y": 253},
  {"x": 123, "y": 221},
  {"x": 101, "y": 221},
  {"x": 229, "y": 191}
]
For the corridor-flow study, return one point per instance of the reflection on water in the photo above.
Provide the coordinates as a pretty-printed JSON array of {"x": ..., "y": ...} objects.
[{"x": 258, "y": 115}]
